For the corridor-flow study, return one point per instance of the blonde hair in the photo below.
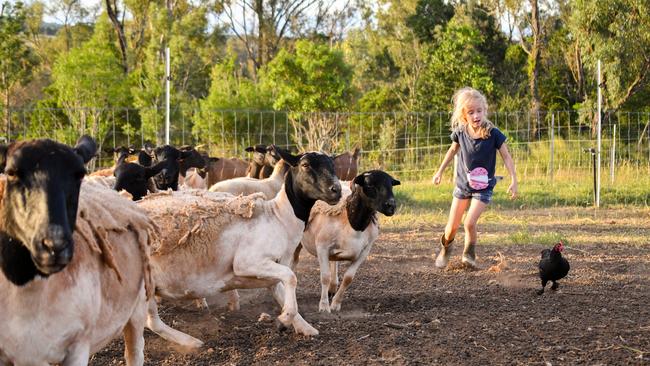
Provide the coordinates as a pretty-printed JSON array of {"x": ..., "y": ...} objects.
[{"x": 461, "y": 99}]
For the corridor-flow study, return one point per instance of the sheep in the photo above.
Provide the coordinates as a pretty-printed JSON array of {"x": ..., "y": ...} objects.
[
  {"x": 346, "y": 165},
  {"x": 347, "y": 231},
  {"x": 136, "y": 179},
  {"x": 170, "y": 157},
  {"x": 195, "y": 160},
  {"x": 122, "y": 154},
  {"x": 258, "y": 163},
  {"x": 245, "y": 185},
  {"x": 74, "y": 259},
  {"x": 221, "y": 169},
  {"x": 195, "y": 179},
  {"x": 213, "y": 242},
  {"x": 145, "y": 155}
]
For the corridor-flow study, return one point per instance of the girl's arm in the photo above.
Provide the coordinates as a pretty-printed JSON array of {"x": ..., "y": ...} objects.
[
  {"x": 453, "y": 149},
  {"x": 510, "y": 165}
]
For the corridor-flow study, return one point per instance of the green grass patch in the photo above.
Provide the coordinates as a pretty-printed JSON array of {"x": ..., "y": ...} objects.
[{"x": 525, "y": 236}]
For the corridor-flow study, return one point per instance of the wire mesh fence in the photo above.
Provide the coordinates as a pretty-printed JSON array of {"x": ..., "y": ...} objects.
[{"x": 549, "y": 148}]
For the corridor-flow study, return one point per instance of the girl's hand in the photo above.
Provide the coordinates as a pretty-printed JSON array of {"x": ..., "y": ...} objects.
[
  {"x": 513, "y": 190},
  {"x": 437, "y": 178}
]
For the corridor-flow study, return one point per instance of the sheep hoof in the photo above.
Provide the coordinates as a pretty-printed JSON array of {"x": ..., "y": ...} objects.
[
  {"x": 324, "y": 307},
  {"x": 306, "y": 329},
  {"x": 233, "y": 306},
  {"x": 279, "y": 326},
  {"x": 336, "y": 306}
]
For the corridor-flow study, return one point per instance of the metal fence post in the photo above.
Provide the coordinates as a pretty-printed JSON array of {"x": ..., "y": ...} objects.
[
  {"x": 612, "y": 157},
  {"x": 550, "y": 168}
]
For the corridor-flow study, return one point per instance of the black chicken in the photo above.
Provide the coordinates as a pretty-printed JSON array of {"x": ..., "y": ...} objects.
[{"x": 552, "y": 266}]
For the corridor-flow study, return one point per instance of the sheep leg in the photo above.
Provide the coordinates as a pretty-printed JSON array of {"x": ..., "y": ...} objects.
[
  {"x": 347, "y": 278},
  {"x": 268, "y": 269},
  {"x": 544, "y": 282},
  {"x": 555, "y": 286},
  {"x": 233, "y": 300},
  {"x": 325, "y": 277},
  {"x": 77, "y": 355},
  {"x": 296, "y": 257},
  {"x": 159, "y": 327},
  {"x": 134, "y": 335},
  {"x": 300, "y": 325},
  {"x": 334, "y": 280}
]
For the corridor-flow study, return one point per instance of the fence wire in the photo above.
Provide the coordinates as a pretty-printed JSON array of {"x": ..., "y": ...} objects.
[{"x": 548, "y": 147}]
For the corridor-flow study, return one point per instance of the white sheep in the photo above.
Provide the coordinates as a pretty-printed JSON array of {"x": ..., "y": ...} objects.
[
  {"x": 74, "y": 259},
  {"x": 347, "y": 231},
  {"x": 213, "y": 242},
  {"x": 245, "y": 185}
]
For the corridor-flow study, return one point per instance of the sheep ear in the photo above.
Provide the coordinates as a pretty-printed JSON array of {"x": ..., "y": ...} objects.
[
  {"x": 186, "y": 154},
  {"x": 86, "y": 148},
  {"x": 396, "y": 182},
  {"x": 288, "y": 157},
  {"x": 357, "y": 150},
  {"x": 3, "y": 156},
  {"x": 360, "y": 180}
]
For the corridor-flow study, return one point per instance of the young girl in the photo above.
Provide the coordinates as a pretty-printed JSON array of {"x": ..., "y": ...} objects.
[{"x": 477, "y": 140}]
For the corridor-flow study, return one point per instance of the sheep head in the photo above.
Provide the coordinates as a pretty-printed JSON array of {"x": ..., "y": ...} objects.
[
  {"x": 312, "y": 176},
  {"x": 377, "y": 190},
  {"x": 39, "y": 205}
]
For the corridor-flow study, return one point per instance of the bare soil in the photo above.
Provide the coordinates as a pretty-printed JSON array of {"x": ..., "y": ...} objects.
[{"x": 401, "y": 310}]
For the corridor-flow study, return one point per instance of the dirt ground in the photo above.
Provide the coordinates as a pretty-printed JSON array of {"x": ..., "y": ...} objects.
[{"x": 401, "y": 310}]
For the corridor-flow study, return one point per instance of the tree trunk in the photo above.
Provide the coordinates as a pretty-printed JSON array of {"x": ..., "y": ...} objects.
[
  {"x": 6, "y": 105},
  {"x": 261, "y": 31},
  {"x": 119, "y": 28},
  {"x": 533, "y": 64}
]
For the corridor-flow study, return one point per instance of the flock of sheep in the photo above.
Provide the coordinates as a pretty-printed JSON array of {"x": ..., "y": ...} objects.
[{"x": 86, "y": 257}]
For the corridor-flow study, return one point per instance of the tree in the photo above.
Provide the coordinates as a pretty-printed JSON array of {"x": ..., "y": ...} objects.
[
  {"x": 313, "y": 78},
  {"x": 429, "y": 14},
  {"x": 617, "y": 32},
  {"x": 454, "y": 62},
  {"x": 72, "y": 12},
  {"x": 113, "y": 13},
  {"x": 229, "y": 90},
  {"x": 532, "y": 45},
  {"x": 17, "y": 60},
  {"x": 264, "y": 25},
  {"x": 89, "y": 81},
  {"x": 182, "y": 29}
]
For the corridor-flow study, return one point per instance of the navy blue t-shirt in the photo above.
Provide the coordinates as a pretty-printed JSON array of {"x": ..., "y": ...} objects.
[{"x": 476, "y": 153}]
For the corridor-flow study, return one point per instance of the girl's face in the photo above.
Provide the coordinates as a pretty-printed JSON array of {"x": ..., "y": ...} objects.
[{"x": 474, "y": 113}]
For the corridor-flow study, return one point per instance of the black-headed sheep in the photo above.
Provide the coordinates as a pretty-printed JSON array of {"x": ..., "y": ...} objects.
[
  {"x": 347, "y": 231},
  {"x": 226, "y": 243}
]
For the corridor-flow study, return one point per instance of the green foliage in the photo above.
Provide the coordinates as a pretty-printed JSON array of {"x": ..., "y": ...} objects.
[
  {"x": 230, "y": 90},
  {"x": 17, "y": 60},
  {"x": 617, "y": 33},
  {"x": 429, "y": 16},
  {"x": 525, "y": 236},
  {"x": 89, "y": 80},
  {"x": 453, "y": 63},
  {"x": 311, "y": 78}
]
